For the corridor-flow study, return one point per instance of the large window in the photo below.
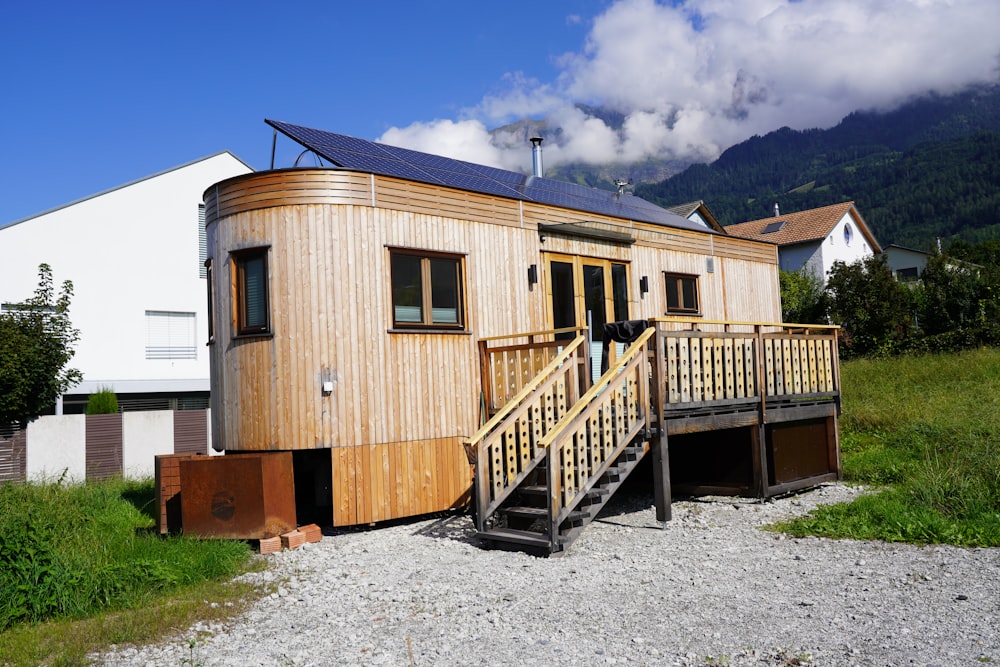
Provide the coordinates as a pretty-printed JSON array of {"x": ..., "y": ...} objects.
[
  {"x": 426, "y": 290},
  {"x": 252, "y": 310},
  {"x": 170, "y": 335},
  {"x": 682, "y": 294}
]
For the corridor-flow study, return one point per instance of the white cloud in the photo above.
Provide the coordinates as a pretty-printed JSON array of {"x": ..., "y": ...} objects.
[{"x": 695, "y": 78}]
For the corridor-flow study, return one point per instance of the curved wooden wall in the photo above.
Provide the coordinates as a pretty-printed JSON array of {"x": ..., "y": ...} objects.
[{"x": 402, "y": 402}]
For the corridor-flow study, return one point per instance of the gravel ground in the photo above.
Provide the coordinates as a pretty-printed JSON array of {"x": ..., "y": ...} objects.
[{"x": 709, "y": 589}]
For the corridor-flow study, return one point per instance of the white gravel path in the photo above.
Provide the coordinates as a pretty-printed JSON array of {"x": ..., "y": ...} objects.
[{"x": 710, "y": 589}]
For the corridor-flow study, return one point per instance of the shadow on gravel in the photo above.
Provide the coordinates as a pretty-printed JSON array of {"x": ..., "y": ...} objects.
[{"x": 456, "y": 527}]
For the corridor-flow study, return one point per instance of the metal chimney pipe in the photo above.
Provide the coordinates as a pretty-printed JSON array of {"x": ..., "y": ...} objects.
[
  {"x": 777, "y": 211},
  {"x": 536, "y": 157}
]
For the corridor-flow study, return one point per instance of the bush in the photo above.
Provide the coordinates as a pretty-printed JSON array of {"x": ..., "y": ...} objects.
[
  {"x": 956, "y": 340},
  {"x": 104, "y": 402},
  {"x": 74, "y": 550}
]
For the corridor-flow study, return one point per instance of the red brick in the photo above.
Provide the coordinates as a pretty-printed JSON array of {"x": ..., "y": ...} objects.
[
  {"x": 312, "y": 532},
  {"x": 293, "y": 539},
  {"x": 270, "y": 545}
]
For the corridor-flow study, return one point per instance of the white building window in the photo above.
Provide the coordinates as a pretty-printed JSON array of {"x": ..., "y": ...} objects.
[{"x": 170, "y": 335}]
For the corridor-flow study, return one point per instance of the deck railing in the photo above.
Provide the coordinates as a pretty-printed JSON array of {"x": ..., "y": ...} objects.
[
  {"x": 508, "y": 447},
  {"x": 508, "y": 363},
  {"x": 597, "y": 428},
  {"x": 764, "y": 361}
]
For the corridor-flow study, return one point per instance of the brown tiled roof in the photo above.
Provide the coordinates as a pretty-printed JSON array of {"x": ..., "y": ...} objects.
[{"x": 812, "y": 225}]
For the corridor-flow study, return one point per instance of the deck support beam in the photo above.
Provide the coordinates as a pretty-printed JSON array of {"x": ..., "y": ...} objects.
[{"x": 661, "y": 477}]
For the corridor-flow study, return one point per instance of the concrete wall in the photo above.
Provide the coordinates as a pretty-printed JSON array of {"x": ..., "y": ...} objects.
[
  {"x": 57, "y": 448},
  {"x": 56, "y": 445},
  {"x": 146, "y": 434}
]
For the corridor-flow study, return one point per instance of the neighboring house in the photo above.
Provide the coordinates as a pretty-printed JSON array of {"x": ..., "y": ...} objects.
[
  {"x": 371, "y": 315},
  {"x": 135, "y": 255},
  {"x": 813, "y": 239},
  {"x": 906, "y": 264},
  {"x": 698, "y": 211}
]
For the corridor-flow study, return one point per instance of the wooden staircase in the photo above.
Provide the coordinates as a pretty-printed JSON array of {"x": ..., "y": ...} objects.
[
  {"x": 523, "y": 522},
  {"x": 546, "y": 464}
]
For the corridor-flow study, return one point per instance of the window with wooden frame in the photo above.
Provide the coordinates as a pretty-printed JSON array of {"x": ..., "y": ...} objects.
[
  {"x": 210, "y": 282},
  {"x": 252, "y": 312},
  {"x": 682, "y": 294},
  {"x": 427, "y": 290}
]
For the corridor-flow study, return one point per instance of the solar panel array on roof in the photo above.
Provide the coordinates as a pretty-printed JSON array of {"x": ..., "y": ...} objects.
[
  {"x": 353, "y": 153},
  {"x": 773, "y": 227}
]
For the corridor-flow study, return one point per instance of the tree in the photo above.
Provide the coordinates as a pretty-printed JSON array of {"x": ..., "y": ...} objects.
[
  {"x": 872, "y": 307},
  {"x": 36, "y": 344},
  {"x": 803, "y": 299},
  {"x": 950, "y": 295}
]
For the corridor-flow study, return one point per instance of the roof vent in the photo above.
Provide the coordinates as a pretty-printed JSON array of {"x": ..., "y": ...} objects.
[
  {"x": 536, "y": 157},
  {"x": 777, "y": 212}
]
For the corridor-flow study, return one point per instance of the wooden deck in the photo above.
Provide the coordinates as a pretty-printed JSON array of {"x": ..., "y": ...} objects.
[{"x": 746, "y": 408}]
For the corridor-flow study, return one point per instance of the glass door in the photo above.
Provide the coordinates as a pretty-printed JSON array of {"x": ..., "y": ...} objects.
[{"x": 585, "y": 291}]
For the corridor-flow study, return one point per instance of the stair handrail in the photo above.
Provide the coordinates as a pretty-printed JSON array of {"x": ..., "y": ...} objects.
[
  {"x": 634, "y": 355},
  {"x": 502, "y": 421},
  {"x": 527, "y": 390}
]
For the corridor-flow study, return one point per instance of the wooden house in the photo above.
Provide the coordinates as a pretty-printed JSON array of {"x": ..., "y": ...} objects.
[{"x": 396, "y": 316}]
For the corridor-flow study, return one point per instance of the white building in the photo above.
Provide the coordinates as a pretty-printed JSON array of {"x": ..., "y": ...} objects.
[
  {"x": 813, "y": 239},
  {"x": 135, "y": 255},
  {"x": 906, "y": 263}
]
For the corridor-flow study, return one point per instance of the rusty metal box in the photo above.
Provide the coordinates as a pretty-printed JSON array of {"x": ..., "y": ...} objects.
[{"x": 241, "y": 496}]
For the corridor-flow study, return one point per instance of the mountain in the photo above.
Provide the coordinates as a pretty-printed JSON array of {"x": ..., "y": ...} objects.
[
  {"x": 928, "y": 169},
  {"x": 601, "y": 176}
]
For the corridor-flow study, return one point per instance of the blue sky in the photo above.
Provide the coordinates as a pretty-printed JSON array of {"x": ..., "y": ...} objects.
[{"x": 100, "y": 94}]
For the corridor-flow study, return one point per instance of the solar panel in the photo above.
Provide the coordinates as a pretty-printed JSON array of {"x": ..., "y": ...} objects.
[{"x": 353, "y": 153}]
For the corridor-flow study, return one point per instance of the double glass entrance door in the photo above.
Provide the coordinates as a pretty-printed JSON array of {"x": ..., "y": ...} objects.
[{"x": 587, "y": 292}]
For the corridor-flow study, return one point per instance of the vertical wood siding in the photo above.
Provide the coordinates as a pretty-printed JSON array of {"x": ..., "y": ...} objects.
[
  {"x": 402, "y": 401},
  {"x": 13, "y": 455},
  {"x": 190, "y": 432},
  {"x": 104, "y": 446}
]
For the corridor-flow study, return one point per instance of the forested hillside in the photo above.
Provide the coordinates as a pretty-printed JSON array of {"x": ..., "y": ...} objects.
[{"x": 929, "y": 169}]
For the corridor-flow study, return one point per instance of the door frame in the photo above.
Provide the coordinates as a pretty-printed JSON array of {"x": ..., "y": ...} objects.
[
  {"x": 579, "y": 297},
  {"x": 579, "y": 294}
]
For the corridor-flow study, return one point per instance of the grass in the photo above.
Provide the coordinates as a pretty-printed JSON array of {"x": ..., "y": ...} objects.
[
  {"x": 81, "y": 567},
  {"x": 924, "y": 431}
]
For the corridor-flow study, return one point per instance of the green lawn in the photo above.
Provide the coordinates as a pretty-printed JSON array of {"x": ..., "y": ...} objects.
[
  {"x": 924, "y": 431},
  {"x": 81, "y": 567}
]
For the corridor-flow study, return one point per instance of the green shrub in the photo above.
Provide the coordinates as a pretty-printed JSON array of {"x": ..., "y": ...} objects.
[{"x": 104, "y": 402}]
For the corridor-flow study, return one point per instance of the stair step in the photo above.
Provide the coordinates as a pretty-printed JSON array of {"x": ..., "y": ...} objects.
[
  {"x": 539, "y": 513},
  {"x": 509, "y": 535}
]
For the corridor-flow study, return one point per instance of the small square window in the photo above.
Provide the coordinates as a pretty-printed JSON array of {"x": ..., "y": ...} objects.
[
  {"x": 682, "y": 294},
  {"x": 427, "y": 290},
  {"x": 252, "y": 310}
]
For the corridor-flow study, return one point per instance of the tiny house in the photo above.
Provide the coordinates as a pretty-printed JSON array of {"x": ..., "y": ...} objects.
[{"x": 383, "y": 315}]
